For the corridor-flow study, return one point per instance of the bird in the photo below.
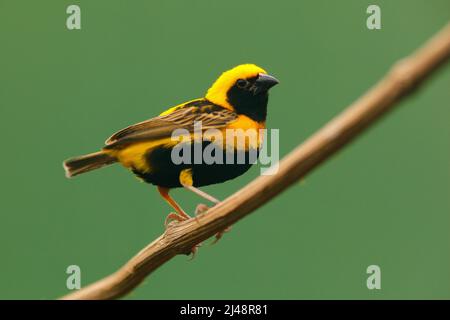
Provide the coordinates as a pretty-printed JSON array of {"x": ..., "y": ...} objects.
[{"x": 238, "y": 99}]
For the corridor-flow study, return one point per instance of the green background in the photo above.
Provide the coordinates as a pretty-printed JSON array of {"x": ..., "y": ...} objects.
[{"x": 383, "y": 200}]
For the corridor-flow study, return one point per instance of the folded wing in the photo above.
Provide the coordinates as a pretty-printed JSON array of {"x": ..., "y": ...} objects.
[{"x": 183, "y": 117}]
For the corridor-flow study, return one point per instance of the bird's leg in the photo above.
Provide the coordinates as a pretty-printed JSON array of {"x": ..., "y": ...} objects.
[
  {"x": 181, "y": 216},
  {"x": 201, "y": 193}
]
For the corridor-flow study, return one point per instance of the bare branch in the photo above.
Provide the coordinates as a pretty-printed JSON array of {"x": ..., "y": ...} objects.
[{"x": 404, "y": 78}]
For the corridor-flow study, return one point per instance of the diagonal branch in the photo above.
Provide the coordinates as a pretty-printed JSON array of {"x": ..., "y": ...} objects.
[{"x": 403, "y": 79}]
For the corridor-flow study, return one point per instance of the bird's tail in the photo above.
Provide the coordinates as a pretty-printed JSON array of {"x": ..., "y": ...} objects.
[{"x": 88, "y": 162}]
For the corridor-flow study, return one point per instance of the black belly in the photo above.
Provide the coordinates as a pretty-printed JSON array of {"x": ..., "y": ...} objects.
[{"x": 165, "y": 173}]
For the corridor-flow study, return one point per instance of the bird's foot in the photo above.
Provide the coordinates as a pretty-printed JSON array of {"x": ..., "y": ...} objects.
[
  {"x": 220, "y": 234},
  {"x": 174, "y": 217},
  {"x": 194, "y": 250},
  {"x": 201, "y": 208}
]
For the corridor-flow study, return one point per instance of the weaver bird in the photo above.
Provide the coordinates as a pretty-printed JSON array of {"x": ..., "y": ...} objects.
[{"x": 237, "y": 100}]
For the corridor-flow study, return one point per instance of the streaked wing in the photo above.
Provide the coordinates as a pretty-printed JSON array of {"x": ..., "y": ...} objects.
[{"x": 211, "y": 116}]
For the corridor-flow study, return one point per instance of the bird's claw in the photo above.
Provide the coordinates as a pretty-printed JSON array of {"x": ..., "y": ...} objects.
[
  {"x": 176, "y": 217},
  {"x": 194, "y": 250},
  {"x": 220, "y": 234},
  {"x": 201, "y": 208},
  {"x": 173, "y": 217}
]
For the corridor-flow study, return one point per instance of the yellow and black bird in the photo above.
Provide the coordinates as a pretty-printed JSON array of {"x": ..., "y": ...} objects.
[{"x": 237, "y": 100}]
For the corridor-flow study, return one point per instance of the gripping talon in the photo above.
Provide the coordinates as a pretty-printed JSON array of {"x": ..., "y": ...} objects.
[
  {"x": 201, "y": 208},
  {"x": 176, "y": 217},
  {"x": 173, "y": 217},
  {"x": 220, "y": 234},
  {"x": 194, "y": 251}
]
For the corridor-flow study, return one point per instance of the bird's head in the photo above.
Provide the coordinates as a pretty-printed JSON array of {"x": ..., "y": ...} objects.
[{"x": 244, "y": 90}]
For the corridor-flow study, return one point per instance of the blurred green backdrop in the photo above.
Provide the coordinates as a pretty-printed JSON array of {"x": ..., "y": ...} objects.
[{"x": 384, "y": 200}]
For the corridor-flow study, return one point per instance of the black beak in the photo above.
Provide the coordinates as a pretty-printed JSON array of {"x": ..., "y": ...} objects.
[{"x": 265, "y": 82}]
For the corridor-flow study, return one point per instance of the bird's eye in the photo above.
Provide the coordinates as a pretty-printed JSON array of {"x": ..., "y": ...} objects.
[{"x": 241, "y": 83}]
